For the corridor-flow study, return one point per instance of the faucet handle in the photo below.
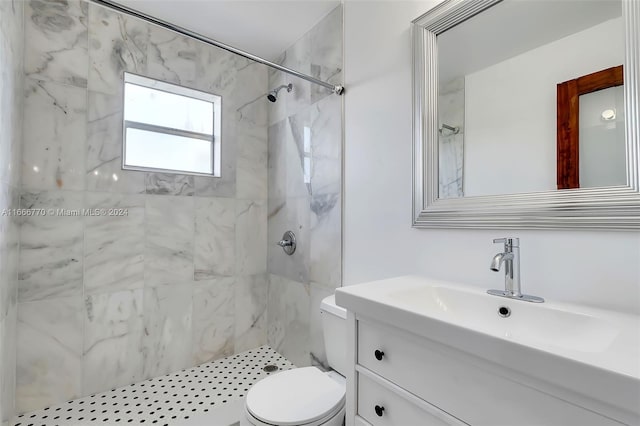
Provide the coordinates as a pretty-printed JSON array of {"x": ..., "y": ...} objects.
[{"x": 507, "y": 241}]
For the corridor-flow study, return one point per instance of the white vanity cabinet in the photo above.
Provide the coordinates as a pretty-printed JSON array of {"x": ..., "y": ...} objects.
[
  {"x": 401, "y": 379},
  {"x": 429, "y": 352}
]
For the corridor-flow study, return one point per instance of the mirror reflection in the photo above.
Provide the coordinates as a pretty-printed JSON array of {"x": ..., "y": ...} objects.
[
  {"x": 602, "y": 138},
  {"x": 499, "y": 78}
]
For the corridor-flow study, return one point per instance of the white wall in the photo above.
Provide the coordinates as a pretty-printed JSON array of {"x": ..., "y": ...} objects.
[
  {"x": 596, "y": 268},
  {"x": 510, "y": 129}
]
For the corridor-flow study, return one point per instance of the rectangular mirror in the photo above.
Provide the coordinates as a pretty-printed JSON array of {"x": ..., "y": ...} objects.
[{"x": 526, "y": 114}]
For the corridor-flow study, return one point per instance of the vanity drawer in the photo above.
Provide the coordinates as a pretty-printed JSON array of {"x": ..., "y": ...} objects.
[
  {"x": 382, "y": 407},
  {"x": 473, "y": 391}
]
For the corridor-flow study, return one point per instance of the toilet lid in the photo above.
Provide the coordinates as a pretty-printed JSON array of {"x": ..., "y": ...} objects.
[{"x": 295, "y": 397}]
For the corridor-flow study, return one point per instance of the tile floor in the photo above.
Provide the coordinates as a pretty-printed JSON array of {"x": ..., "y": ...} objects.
[{"x": 165, "y": 400}]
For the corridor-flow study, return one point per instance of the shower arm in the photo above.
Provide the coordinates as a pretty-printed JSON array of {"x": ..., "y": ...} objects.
[
  {"x": 337, "y": 89},
  {"x": 453, "y": 130}
]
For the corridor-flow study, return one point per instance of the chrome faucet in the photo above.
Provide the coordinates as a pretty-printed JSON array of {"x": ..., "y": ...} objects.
[{"x": 511, "y": 260}]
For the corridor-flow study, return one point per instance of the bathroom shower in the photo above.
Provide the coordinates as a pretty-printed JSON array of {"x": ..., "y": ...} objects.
[
  {"x": 273, "y": 95},
  {"x": 198, "y": 301}
]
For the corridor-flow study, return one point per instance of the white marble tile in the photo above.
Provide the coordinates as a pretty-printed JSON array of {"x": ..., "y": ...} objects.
[
  {"x": 326, "y": 53},
  {"x": 296, "y": 57},
  {"x": 56, "y": 41},
  {"x": 169, "y": 184},
  {"x": 104, "y": 148},
  {"x": 167, "y": 329},
  {"x": 53, "y": 154},
  {"x": 451, "y": 145},
  {"x": 11, "y": 90},
  {"x": 292, "y": 214},
  {"x": 253, "y": 80},
  {"x": 50, "y": 246},
  {"x": 174, "y": 58},
  {"x": 251, "y": 173},
  {"x": 5, "y": 413},
  {"x": 220, "y": 73},
  {"x": 223, "y": 186},
  {"x": 251, "y": 237},
  {"x": 9, "y": 245},
  {"x": 114, "y": 244},
  {"x": 290, "y": 156},
  {"x": 326, "y": 146},
  {"x": 297, "y": 302},
  {"x": 277, "y": 111},
  {"x": 169, "y": 240},
  {"x": 9, "y": 254},
  {"x": 113, "y": 334},
  {"x": 298, "y": 147},
  {"x": 299, "y": 97},
  {"x": 325, "y": 252},
  {"x": 8, "y": 359},
  {"x": 250, "y": 312},
  {"x": 450, "y": 166},
  {"x": 277, "y": 165},
  {"x": 276, "y": 311},
  {"x": 49, "y": 352},
  {"x": 11, "y": 119},
  {"x": 251, "y": 130},
  {"x": 288, "y": 315},
  {"x": 213, "y": 319},
  {"x": 451, "y": 102},
  {"x": 316, "y": 337},
  {"x": 117, "y": 43},
  {"x": 215, "y": 237},
  {"x": 5, "y": 265}
]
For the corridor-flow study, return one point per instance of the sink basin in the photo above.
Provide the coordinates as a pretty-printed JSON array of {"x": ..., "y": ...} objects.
[
  {"x": 592, "y": 352},
  {"x": 539, "y": 325}
]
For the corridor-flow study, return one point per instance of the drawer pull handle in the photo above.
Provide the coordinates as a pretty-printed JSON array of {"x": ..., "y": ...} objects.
[
  {"x": 379, "y": 410},
  {"x": 379, "y": 354}
]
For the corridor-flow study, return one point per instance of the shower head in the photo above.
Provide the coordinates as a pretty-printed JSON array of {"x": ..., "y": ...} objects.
[{"x": 273, "y": 95}]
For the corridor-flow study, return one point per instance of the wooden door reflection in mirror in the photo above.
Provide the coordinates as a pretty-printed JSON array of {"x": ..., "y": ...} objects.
[{"x": 568, "y": 132}]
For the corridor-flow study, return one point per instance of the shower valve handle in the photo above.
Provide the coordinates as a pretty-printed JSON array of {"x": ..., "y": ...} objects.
[{"x": 288, "y": 243}]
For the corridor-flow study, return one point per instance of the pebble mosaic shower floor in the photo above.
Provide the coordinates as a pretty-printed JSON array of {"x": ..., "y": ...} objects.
[{"x": 168, "y": 399}]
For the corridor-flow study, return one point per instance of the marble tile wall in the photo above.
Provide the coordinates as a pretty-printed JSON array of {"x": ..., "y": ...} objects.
[
  {"x": 450, "y": 143},
  {"x": 181, "y": 279},
  {"x": 11, "y": 116},
  {"x": 304, "y": 187}
]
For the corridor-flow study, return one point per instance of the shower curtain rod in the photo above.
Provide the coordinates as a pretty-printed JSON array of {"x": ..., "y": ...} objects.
[{"x": 337, "y": 89}]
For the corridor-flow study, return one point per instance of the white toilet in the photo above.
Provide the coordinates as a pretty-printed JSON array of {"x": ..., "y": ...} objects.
[{"x": 305, "y": 396}]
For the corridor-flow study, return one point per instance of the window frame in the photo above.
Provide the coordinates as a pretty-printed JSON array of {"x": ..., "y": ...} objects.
[{"x": 174, "y": 89}]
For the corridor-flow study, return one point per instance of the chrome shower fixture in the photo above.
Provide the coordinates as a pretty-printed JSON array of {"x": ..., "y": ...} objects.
[
  {"x": 452, "y": 130},
  {"x": 273, "y": 95}
]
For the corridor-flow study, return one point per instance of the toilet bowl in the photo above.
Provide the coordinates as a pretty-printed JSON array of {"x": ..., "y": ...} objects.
[{"x": 305, "y": 396}]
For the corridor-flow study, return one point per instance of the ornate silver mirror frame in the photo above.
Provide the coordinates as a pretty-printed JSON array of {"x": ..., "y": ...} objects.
[{"x": 614, "y": 208}]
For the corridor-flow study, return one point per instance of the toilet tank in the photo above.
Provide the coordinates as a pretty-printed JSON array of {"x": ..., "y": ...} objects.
[{"x": 334, "y": 330}]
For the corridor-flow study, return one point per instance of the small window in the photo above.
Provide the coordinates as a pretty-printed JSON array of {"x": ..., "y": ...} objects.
[{"x": 169, "y": 128}]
